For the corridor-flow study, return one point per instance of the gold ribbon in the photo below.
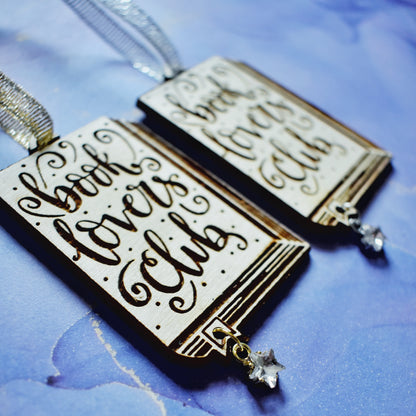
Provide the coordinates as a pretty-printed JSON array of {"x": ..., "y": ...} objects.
[{"x": 22, "y": 117}]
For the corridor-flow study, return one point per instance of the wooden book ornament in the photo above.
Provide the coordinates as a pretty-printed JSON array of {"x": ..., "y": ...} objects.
[
  {"x": 298, "y": 154},
  {"x": 186, "y": 257}
]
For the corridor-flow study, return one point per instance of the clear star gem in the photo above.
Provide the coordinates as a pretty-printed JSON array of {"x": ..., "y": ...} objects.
[
  {"x": 265, "y": 368},
  {"x": 372, "y": 237}
]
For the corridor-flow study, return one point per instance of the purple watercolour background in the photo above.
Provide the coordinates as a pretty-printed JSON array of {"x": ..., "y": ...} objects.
[{"x": 345, "y": 330}]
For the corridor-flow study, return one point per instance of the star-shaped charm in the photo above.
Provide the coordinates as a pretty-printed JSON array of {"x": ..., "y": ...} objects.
[
  {"x": 265, "y": 368},
  {"x": 372, "y": 237}
]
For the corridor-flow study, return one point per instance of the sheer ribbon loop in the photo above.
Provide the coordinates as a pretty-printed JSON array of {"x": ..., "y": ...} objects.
[{"x": 133, "y": 33}]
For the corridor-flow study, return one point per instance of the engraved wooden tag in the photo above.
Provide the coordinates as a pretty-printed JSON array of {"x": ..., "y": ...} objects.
[
  {"x": 300, "y": 155},
  {"x": 177, "y": 250}
]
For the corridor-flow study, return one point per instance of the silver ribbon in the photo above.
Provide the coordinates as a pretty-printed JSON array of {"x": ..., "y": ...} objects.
[
  {"x": 22, "y": 117},
  {"x": 125, "y": 26}
]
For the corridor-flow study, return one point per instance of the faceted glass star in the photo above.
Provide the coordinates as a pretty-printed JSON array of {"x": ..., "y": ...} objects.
[
  {"x": 265, "y": 368},
  {"x": 372, "y": 237}
]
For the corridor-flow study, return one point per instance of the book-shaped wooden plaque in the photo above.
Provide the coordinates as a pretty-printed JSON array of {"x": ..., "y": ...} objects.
[
  {"x": 177, "y": 250},
  {"x": 300, "y": 155}
]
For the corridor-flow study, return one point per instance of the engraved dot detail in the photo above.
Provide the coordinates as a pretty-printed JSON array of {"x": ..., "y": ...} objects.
[
  {"x": 105, "y": 278},
  {"x": 157, "y": 326}
]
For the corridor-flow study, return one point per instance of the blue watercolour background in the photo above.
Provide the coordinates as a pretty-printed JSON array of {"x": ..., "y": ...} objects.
[{"x": 346, "y": 327}]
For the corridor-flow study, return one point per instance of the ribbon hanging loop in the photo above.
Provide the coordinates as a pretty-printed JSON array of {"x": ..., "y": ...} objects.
[
  {"x": 125, "y": 26},
  {"x": 22, "y": 117}
]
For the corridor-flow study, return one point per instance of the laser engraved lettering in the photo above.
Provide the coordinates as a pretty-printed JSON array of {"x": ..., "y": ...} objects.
[
  {"x": 98, "y": 235},
  {"x": 259, "y": 128},
  {"x": 166, "y": 244},
  {"x": 274, "y": 122}
]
